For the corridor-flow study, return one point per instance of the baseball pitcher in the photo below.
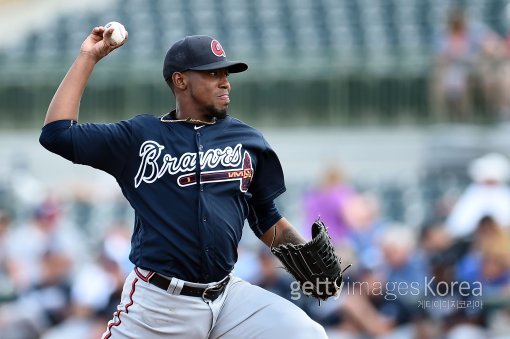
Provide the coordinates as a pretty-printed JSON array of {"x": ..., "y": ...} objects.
[{"x": 193, "y": 176}]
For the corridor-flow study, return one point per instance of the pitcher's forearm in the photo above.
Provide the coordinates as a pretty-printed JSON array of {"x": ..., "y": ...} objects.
[
  {"x": 66, "y": 101},
  {"x": 282, "y": 233}
]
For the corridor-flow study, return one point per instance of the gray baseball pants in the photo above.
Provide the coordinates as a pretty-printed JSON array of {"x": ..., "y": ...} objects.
[{"x": 243, "y": 311}]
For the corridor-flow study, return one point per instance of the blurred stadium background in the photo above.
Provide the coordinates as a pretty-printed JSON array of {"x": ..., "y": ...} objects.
[{"x": 344, "y": 84}]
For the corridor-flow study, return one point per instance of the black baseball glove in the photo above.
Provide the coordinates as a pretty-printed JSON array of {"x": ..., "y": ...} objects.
[{"x": 314, "y": 265}]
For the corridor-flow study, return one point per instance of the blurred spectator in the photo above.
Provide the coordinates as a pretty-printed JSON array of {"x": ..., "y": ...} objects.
[
  {"x": 365, "y": 227},
  {"x": 434, "y": 239},
  {"x": 488, "y": 260},
  {"x": 402, "y": 261},
  {"x": 95, "y": 292},
  {"x": 381, "y": 299},
  {"x": 326, "y": 201},
  {"x": 7, "y": 291},
  {"x": 440, "y": 251},
  {"x": 272, "y": 275},
  {"x": 359, "y": 316},
  {"x": 27, "y": 190},
  {"x": 460, "y": 50},
  {"x": 43, "y": 305},
  {"x": 372, "y": 308},
  {"x": 494, "y": 272},
  {"x": 117, "y": 245},
  {"x": 487, "y": 195},
  {"x": 484, "y": 271},
  {"x": 499, "y": 87}
]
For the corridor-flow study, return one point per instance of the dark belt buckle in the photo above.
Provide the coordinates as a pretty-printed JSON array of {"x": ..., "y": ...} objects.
[{"x": 215, "y": 290}]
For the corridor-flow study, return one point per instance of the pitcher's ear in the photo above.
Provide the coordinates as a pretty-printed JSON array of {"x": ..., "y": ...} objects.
[{"x": 179, "y": 80}]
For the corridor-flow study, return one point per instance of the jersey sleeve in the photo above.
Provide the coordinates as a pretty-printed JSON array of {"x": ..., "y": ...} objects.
[
  {"x": 262, "y": 217},
  {"x": 56, "y": 138},
  {"x": 102, "y": 146},
  {"x": 268, "y": 180}
]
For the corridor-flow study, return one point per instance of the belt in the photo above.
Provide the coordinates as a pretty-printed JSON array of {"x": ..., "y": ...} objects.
[{"x": 210, "y": 293}]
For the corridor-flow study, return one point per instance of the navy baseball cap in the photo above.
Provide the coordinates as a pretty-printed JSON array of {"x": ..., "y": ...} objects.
[{"x": 198, "y": 53}]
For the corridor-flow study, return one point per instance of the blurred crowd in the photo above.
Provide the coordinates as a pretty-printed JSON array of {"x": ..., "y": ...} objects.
[
  {"x": 448, "y": 276},
  {"x": 471, "y": 69},
  {"x": 64, "y": 258}
]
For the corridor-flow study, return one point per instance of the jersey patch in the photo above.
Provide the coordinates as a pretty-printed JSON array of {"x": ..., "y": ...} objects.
[{"x": 151, "y": 169}]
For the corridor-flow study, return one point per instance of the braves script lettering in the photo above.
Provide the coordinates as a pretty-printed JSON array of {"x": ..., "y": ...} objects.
[{"x": 150, "y": 169}]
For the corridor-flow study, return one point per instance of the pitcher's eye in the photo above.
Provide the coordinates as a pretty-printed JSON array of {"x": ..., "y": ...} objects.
[{"x": 217, "y": 73}]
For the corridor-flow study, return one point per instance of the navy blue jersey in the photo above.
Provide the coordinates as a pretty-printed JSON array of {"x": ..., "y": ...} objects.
[{"x": 191, "y": 186}]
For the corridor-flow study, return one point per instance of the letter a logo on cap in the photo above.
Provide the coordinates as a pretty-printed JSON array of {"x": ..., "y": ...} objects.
[{"x": 217, "y": 49}]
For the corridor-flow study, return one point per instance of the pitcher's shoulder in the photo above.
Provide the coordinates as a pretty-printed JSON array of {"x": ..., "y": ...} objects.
[
  {"x": 145, "y": 118},
  {"x": 235, "y": 122}
]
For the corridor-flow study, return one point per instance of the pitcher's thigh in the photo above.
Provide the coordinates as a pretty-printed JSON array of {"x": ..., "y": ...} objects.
[{"x": 252, "y": 312}]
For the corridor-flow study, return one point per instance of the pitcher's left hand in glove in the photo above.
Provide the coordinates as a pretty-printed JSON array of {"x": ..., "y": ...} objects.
[{"x": 314, "y": 265}]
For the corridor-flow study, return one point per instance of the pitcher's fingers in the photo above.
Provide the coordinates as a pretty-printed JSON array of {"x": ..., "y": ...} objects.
[
  {"x": 98, "y": 30},
  {"x": 108, "y": 32}
]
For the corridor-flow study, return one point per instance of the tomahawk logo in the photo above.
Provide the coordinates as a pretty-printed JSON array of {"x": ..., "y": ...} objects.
[
  {"x": 152, "y": 168},
  {"x": 243, "y": 174}
]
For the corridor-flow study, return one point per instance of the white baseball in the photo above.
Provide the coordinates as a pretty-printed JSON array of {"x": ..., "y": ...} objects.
[{"x": 119, "y": 33}]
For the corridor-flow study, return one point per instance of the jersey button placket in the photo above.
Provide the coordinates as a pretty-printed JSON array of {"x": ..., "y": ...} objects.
[
  {"x": 203, "y": 219},
  {"x": 200, "y": 148}
]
